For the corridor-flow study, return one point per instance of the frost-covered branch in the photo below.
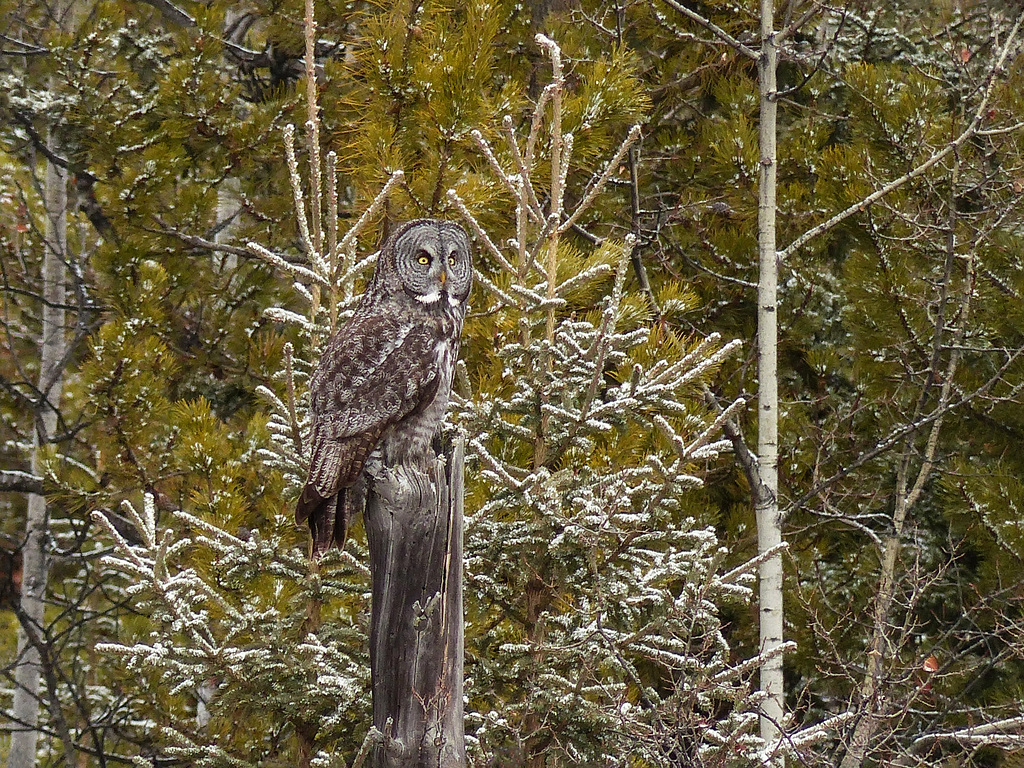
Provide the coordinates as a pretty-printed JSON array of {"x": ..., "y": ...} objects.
[
  {"x": 597, "y": 186},
  {"x": 1008, "y": 732},
  {"x": 717, "y": 31}
]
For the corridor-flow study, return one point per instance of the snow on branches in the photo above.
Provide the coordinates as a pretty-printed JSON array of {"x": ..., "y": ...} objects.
[
  {"x": 227, "y": 613},
  {"x": 597, "y": 590}
]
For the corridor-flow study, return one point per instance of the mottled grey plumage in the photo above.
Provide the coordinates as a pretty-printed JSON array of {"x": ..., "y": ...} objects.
[{"x": 384, "y": 378}]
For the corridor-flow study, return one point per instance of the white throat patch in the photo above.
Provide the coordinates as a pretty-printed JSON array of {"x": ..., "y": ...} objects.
[{"x": 429, "y": 298}]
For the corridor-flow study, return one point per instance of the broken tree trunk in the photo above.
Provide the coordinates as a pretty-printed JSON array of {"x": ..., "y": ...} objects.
[{"x": 414, "y": 531}]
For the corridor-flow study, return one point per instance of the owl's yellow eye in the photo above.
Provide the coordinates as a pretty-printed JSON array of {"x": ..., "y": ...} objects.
[
  {"x": 424, "y": 260},
  {"x": 451, "y": 260}
]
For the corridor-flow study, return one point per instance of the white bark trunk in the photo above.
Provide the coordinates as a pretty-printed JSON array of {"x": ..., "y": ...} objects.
[
  {"x": 769, "y": 524},
  {"x": 229, "y": 193},
  {"x": 228, "y": 196},
  {"x": 25, "y": 706}
]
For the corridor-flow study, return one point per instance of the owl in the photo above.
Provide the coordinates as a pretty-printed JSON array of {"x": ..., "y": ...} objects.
[{"x": 383, "y": 380}]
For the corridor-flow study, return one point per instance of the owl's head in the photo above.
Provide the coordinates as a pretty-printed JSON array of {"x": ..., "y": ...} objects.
[{"x": 430, "y": 261}]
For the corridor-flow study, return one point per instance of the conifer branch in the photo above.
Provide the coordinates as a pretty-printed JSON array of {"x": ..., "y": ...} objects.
[
  {"x": 287, "y": 266},
  {"x": 817, "y": 732},
  {"x": 576, "y": 281},
  {"x": 550, "y": 226},
  {"x": 290, "y": 381},
  {"x": 313, "y": 137},
  {"x": 348, "y": 241},
  {"x": 966, "y": 135},
  {"x": 598, "y": 353},
  {"x": 281, "y": 315},
  {"x": 1007, "y": 732},
  {"x": 332, "y": 234},
  {"x": 201, "y": 242},
  {"x": 755, "y": 662},
  {"x": 568, "y": 141},
  {"x": 351, "y": 273},
  {"x": 716, "y": 426},
  {"x": 503, "y": 296},
  {"x": 737, "y": 574},
  {"x": 499, "y": 171},
  {"x": 297, "y": 196},
  {"x": 536, "y": 122},
  {"x": 746, "y": 458},
  {"x": 554, "y": 215},
  {"x": 158, "y": 576},
  {"x": 123, "y": 546},
  {"x": 146, "y": 522},
  {"x": 479, "y": 231},
  {"x": 495, "y": 466}
]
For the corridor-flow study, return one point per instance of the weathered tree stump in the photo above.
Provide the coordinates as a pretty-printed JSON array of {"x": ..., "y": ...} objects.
[{"x": 414, "y": 531}]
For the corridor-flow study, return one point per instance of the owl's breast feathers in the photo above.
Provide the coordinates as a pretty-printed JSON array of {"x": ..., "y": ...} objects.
[{"x": 381, "y": 372}]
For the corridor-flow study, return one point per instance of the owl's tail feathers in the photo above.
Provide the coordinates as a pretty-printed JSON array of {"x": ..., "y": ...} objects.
[{"x": 327, "y": 517}]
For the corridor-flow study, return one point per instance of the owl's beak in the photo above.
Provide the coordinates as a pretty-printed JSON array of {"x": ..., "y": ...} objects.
[{"x": 443, "y": 277}]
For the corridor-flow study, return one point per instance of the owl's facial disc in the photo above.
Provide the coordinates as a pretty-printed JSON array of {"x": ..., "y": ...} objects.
[{"x": 432, "y": 262}]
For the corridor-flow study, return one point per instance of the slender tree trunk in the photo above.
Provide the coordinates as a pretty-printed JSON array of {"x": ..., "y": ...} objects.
[
  {"x": 769, "y": 523},
  {"x": 229, "y": 192},
  {"x": 414, "y": 531},
  {"x": 25, "y": 706},
  {"x": 228, "y": 195}
]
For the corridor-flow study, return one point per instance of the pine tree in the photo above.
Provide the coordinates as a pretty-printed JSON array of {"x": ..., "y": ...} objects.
[{"x": 163, "y": 344}]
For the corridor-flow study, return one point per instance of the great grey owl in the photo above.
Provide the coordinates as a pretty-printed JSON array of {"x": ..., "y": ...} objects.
[{"x": 383, "y": 381}]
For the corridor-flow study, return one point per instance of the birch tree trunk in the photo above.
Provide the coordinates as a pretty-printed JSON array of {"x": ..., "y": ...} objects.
[
  {"x": 25, "y": 705},
  {"x": 766, "y": 497},
  {"x": 414, "y": 531}
]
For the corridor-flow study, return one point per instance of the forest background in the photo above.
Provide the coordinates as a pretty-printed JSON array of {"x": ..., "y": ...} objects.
[{"x": 154, "y": 365}]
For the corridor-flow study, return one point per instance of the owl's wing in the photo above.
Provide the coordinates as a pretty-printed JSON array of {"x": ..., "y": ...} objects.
[{"x": 376, "y": 370}]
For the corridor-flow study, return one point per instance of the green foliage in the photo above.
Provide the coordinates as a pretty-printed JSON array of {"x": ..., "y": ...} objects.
[{"x": 594, "y": 554}]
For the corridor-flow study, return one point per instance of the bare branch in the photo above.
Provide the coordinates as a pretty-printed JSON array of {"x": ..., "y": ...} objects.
[
  {"x": 714, "y": 29},
  {"x": 13, "y": 481},
  {"x": 903, "y": 432},
  {"x": 970, "y": 131}
]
